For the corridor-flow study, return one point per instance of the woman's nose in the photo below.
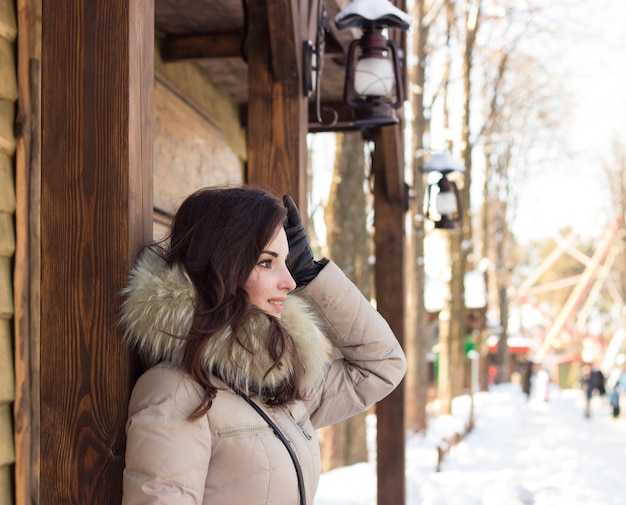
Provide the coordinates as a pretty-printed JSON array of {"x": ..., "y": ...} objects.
[{"x": 288, "y": 281}]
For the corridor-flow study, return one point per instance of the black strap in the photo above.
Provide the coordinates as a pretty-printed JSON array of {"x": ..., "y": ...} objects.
[{"x": 281, "y": 436}]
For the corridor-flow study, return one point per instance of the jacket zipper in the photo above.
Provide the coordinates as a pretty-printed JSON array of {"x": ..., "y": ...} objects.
[{"x": 306, "y": 434}]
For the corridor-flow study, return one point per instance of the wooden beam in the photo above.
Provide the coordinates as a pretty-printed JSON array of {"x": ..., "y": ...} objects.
[
  {"x": 96, "y": 208},
  {"x": 393, "y": 163},
  {"x": 285, "y": 40},
  {"x": 208, "y": 46},
  {"x": 277, "y": 111},
  {"x": 389, "y": 275},
  {"x": 345, "y": 118},
  {"x": 175, "y": 48}
]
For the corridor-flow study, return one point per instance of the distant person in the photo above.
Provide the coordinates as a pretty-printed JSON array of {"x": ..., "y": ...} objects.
[
  {"x": 527, "y": 378},
  {"x": 614, "y": 400},
  {"x": 592, "y": 381},
  {"x": 542, "y": 384},
  {"x": 617, "y": 380}
]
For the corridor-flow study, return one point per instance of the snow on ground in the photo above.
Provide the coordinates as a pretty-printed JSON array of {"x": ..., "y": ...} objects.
[{"x": 520, "y": 452}]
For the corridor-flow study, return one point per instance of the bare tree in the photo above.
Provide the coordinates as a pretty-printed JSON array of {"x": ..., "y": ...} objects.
[
  {"x": 523, "y": 112},
  {"x": 418, "y": 337},
  {"x": 519, "y": 102},
  {"x": 461, "y": 29},
  {"x": 349, "y": 243}
]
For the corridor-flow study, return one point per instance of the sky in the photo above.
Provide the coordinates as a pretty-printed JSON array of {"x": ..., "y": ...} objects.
[
  {"x": 588, "y": 57},
  {"x": 520, "y": 452}
]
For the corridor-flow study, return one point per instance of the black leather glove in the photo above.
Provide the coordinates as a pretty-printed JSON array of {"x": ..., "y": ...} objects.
[{"x": 300, "y": 262}]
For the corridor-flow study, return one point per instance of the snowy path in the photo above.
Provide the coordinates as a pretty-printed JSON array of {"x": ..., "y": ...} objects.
[{"x": 519, "y": 452}]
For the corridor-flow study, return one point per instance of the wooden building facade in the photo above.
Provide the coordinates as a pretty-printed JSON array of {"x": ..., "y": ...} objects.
[
  {"x": 110, "y": 114},
  {"x": 8, "y": 97}
]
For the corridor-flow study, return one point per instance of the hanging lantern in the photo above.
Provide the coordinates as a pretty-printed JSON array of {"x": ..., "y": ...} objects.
[
  {"x": 373, "y": 85},
  {"x": 442, "y": 201}
]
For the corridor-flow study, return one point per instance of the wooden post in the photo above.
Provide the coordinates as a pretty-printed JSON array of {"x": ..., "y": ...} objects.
[
  {"x": 96, "y": 210},
  {"x": 277, "y": 107},
  {"x": 389, "y": 209}
]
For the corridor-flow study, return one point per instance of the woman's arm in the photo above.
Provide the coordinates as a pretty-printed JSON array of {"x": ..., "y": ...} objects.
[{"x": 372, "y": 362}]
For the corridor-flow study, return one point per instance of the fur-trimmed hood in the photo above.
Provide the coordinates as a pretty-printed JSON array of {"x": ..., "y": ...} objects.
[{"x": 158, "y": 310}]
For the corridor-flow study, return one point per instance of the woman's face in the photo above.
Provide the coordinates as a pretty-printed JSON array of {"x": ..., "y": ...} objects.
[{"x": 270, "y": 281}]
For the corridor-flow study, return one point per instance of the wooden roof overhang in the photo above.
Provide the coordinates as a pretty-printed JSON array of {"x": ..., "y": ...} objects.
[{"x": 217, "y": 38}]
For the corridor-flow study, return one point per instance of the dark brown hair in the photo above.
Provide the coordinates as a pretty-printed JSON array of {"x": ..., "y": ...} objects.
[{"x": 218, "y": 235}]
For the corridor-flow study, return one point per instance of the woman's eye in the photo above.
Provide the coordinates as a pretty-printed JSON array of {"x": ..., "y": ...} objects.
[{"x": 265, "y": 263}]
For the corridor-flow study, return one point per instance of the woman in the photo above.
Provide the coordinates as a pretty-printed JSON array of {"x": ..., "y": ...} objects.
[{"x": 252, "y": 346}]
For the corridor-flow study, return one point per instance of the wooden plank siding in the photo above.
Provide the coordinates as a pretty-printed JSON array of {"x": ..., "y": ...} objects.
[
  {"x": 190, "y": 84},
  {"x": 96, "y": 210},
  {"x": 8, "y": 97},
  {"x": 27, "y": 254},
  {"x": 190, "y": 151}
]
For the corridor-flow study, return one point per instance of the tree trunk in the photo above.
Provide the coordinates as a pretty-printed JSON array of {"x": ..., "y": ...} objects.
[
  {"x": 459, "y": 252},
  {"x": 418, "y": 341},
  {"x": 350, "y": 246}
]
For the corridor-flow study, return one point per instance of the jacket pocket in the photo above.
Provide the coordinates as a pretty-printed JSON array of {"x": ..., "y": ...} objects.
[{"x": 239, "y": 431}]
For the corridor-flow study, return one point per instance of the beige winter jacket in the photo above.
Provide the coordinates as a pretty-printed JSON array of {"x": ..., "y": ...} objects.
[{"x": 231, "y": 456}]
